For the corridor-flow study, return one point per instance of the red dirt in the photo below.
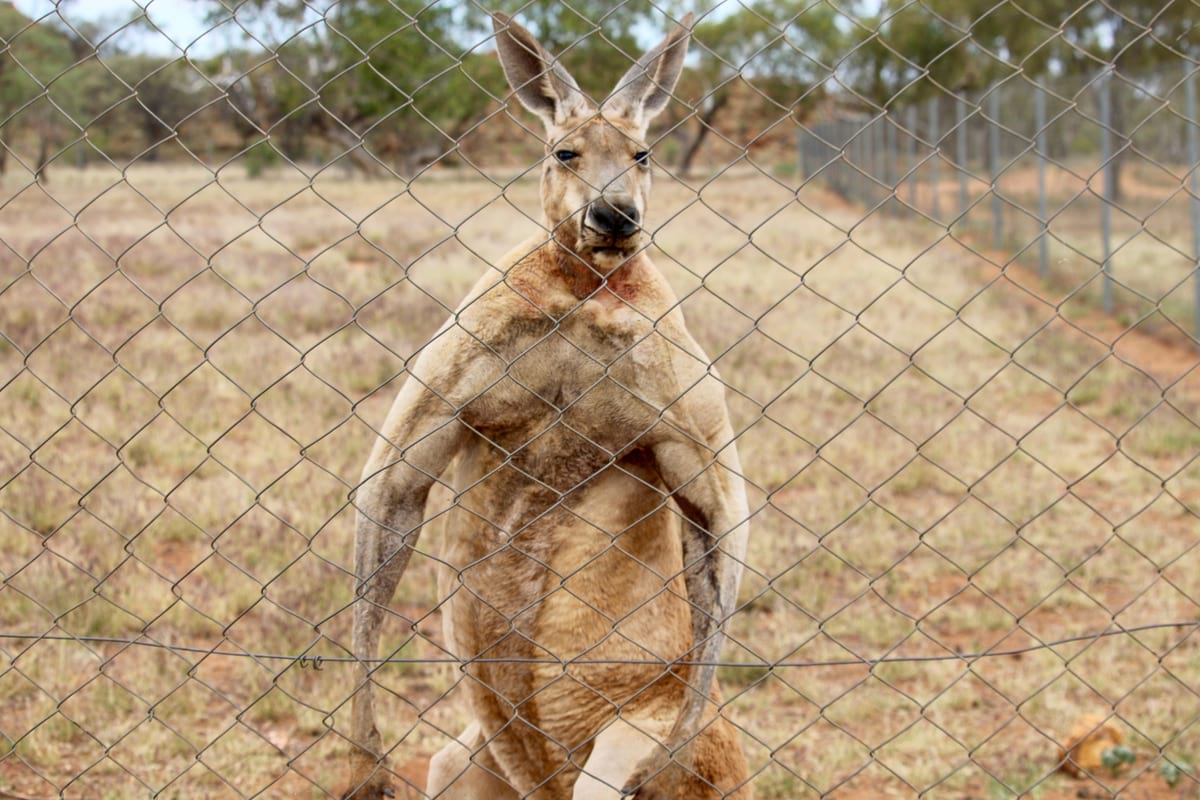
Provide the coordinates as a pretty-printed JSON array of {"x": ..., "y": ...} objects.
[{"x": 1164, "y": 359}]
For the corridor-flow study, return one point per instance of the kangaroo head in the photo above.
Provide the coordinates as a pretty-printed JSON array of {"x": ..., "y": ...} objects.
[{"x": 596, "y": 174}]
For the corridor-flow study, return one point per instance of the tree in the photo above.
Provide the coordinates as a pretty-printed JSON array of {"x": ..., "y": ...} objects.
[
  {"x": 776, "y": 50},
  {"x": 965, "y": 45},
  {"x": 386, "y": 81},
  {"x": 1141, "y": 40},
  {"x": 31, "y": 58}
]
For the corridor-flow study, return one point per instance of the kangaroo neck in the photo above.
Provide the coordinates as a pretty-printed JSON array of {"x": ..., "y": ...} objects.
[{"x": 581, "y": 275}]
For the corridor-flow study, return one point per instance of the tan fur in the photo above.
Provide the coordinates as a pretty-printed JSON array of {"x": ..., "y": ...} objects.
[{"x": 585, "y": 436}]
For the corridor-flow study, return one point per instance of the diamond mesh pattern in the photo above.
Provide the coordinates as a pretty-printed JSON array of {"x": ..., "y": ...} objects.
[{"x": 944, "y": 255}]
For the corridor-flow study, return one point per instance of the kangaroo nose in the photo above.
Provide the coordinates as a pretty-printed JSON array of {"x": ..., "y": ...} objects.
[{"x": 613, "y": 219}]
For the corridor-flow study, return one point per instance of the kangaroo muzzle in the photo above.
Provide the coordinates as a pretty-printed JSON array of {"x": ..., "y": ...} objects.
[{"x": 613, "y": 219}]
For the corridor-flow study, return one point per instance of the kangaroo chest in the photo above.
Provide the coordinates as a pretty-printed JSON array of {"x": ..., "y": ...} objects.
[{"x": 572, "y": 396}]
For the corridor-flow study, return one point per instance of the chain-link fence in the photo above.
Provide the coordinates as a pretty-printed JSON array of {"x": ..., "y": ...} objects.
[{"x": 941, "y": 254}]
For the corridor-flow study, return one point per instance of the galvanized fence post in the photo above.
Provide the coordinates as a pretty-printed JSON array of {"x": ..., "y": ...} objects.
[
  {"x": 879, "y": 162},
  {"x": 994, "y": 167},
  {"x": 845, "y": 135},
  {"x": 856, "y": 150},
  {"x": 960, "y": 157},
  {"x": 889, "y": 166},
  {"x": 872, "y": 159},
  {"x": 1193, "y": 140},
  {"x": 841, "y": 135},
  {"x": 845, "y": 173},
  {"x": 1039, "y": 113},
  {"x": 1106, "y": 198},
  {"x": 847, "y": 140},
  {"x": 911, "y": 147},
  {"x": 935, "y": 154},
  {"x": 801, "y": 159},
  {"x": 867, "y": 161}
]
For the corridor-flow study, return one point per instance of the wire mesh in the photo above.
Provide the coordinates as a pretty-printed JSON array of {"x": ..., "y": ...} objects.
[{"x": 941, "y": 254}]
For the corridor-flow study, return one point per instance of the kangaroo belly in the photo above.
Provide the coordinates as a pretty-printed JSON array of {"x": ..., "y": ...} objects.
[{"x": 593, "y": 580}]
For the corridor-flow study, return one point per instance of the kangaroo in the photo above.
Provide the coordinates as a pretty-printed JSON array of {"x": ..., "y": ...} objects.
[{"x": 600, "y": 517}]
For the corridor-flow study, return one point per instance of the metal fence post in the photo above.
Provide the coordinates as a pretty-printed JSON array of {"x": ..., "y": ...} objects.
[
  {"x": 1107, "y": 197},
  {"x": 934, "y": 143},
  {"x": 994, "y": 167},
  {"x": 840, "y": 160},
  {"x": 879, "y": 162},
  {"x": 866, "y": 161},
  {"x": 870, "y": 161},
  {"x": 849, "y": 142},
  {"x": 886, "y": 153},
  {"x": 845, "y": 135},
  {"x": 801, "y": 160},
  {"x": 841, "y": 137},
  {"x": 911, "y": 146},
  {"x": 854, "y": 159},
  {"x": 1039, "y": 114},
  {"x": 1193, "y": 141},
  {"x": 960, "y": 141}
]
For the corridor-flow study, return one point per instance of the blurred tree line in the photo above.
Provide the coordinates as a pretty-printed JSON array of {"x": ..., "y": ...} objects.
[
  {"x": 392, "y": 85},
  {"x": 911, "y": 51}
]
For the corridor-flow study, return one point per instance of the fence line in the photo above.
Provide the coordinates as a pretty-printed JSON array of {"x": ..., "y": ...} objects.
[
  {"x": 869, "y": 662},
  {"x": 820, "y": 160}
]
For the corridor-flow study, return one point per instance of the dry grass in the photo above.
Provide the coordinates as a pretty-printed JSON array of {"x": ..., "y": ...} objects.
[
  {"x": 1151, "y": 242},
  {"x": 939, "y": 462}
]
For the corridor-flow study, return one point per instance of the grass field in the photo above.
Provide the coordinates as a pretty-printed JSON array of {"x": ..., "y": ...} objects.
[
  {"x": 941, "y": 459},
  {"x": 1151, "y": 241}
]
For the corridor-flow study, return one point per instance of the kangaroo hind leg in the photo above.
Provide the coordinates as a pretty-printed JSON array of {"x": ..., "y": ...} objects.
[{"x": 464, "y": 770}]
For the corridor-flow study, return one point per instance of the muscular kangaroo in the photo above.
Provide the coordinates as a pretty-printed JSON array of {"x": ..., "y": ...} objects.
[{"x": 600, "y": 519}]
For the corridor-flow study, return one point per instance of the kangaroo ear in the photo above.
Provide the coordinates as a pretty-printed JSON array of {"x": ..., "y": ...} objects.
[
  {"x": 645, "y": 89},
  {"x": 539, "y": 81}
]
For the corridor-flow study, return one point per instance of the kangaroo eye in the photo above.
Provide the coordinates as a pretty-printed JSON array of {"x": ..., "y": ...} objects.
[
  {"x": 566, "y": 155},
  {"x": 642, "y": 157}
]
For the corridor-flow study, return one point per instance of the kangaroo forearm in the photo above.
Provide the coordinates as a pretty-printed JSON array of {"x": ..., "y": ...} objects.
[
  {"x": 384, "y": 542},
  {"x": 711, "y": 578}
]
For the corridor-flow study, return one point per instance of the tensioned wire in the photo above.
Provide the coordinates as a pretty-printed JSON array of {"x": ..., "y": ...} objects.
[{"x": 781, "y": 664}]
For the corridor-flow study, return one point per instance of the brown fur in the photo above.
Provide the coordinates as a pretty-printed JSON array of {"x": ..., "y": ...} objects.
[{"x": 598, "y": 492}]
